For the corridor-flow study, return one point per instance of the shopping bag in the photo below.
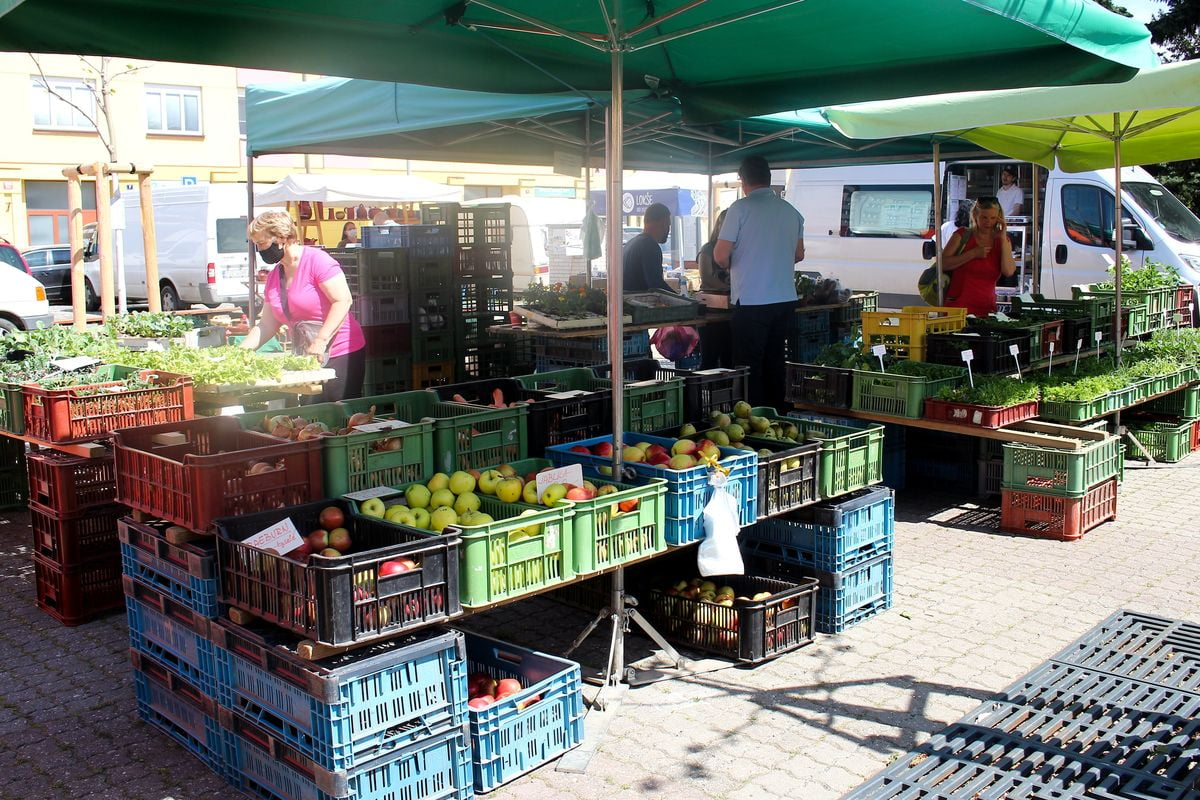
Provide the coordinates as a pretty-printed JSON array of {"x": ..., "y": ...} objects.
[
  {"x": 718, "y": 554},
  {"x": 675, "y": 342}
]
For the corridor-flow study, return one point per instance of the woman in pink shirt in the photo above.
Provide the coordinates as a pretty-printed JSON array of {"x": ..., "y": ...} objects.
[{"x": 307, "y": 291}]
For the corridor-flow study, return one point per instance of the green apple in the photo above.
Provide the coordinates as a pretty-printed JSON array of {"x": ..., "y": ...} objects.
[
  {"x": 462, "y": 482},
  {"x": 440, "y": 480},
  {"x": 509, "y": 490},
  {"x": 741, "y": 409},
  {"x": 489, "y": 480},
  {"x": 401, "y": 515},
  {"x": 467, "y": 501},
  {"x": 554, "y": 492},
  {"x": 420, "y": 518},
  {"x": 373, "y": 507},
  {"x": 417, "y": 496},
  {"x": 529, "y": 493},
  {"x": 442, "y": 517},
  {"x": 442, "y": 498}
]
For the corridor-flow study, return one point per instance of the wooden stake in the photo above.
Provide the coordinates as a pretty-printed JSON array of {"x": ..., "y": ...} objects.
[
  {"x": 75, "y": 235},
  {"x": 104, "y": 240},
  {"x": 153, "y": 295}
]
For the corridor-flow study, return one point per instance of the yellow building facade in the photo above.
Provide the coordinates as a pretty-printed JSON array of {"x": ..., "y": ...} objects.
[{"x": 186, "y": 120}]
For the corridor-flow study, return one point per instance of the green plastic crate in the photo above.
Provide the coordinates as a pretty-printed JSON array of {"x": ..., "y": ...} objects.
[
  {"x": 1166, "y": 440},
  {"x": 353, "y": 462},
  {"x": 576, "y": 379},
  {"x": 464, "y": 437},
  {"x": 1183, "y": 403},
  {"x": 1158, "y": 302},
  {"x": 1072, "y": 410},
  {"x": 897, "y": 395},
  {"x": 1066, "y": 473},
  {"x": 12, "y": 408},
  {"x": 387, "y": 374},
  {"x": 851, "y": 457}
]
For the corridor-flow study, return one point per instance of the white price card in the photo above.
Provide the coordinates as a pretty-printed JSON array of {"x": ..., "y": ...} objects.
[
  {"x": 571, "y": 474},
  {"x": 879, "y": 350},
  {"x": 382, "y": 426},
  {"x": 367, "y": 494},
  {"x": 1078, "y": 345},
  {"x": 967, "y": 355},
  {"x": 72, "y": 364},
  {"x": 1014, "y": 350},
  {"x": 280, "y": 538},
  {"x": 567, "y": 395}
]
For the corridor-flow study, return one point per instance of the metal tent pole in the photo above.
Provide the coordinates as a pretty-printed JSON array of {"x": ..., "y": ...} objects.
[
  {"x": 1118, "y": 337},
  {"x": 587, "y": 187},
  {"x": 251, "y": 250},
  {"x": 937, "y": 214},
  {"x": 1034, "y": 232}
]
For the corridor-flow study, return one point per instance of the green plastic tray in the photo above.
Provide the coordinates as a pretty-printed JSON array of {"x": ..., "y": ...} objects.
[
  {"x": 352, "y": 462},
  {"x": 12, "y": 408},
  {"x": 464, "y": 437},
  {"x": 1184, "y": 403},
  {"x": 1066, "y": 473},
  {"x": 851, "y": 457},
  {"x": 897, "y": 395},
  {"x": 1166, "y": 441}
]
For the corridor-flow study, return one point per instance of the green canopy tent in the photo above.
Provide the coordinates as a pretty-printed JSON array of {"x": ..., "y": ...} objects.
[{"x": 1152, "y": 118}]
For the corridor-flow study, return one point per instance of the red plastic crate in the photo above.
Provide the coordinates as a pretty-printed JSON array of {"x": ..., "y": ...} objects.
[
  {"x": 203, "y": 476},
  {"x": 70, "y": 539},
  {"x": 974, "y": 416},
  {"x": 1195, "y": 435},
  {"x": 1052, "y": 517},
  {"x": 73, "y": 415},
  {"x": 64, "y": 483},
  {"x": 79, "y": 594}
]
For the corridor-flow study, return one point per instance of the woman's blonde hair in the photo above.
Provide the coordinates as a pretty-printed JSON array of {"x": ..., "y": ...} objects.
[{"x": 274, "y": 223}]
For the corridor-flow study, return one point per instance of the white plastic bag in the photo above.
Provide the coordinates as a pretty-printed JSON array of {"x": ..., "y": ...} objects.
[{"x": 718, "y": 554}]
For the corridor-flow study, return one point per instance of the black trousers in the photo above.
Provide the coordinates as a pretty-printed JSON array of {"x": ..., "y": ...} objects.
[
  {"x": 759, "y": 342},
  {"x": 716, "y": 345},
  {"x": 348, "y": 385}
]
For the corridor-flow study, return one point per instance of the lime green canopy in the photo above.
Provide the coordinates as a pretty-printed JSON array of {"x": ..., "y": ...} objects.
[
  {"x": 1155, "y": 117},
  {"x": 723, "y": 60},
  {"x": 390, "y": 120}
]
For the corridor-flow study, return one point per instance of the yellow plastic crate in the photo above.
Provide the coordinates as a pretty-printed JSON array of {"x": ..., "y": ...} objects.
[{"x": 903, "y": 332}]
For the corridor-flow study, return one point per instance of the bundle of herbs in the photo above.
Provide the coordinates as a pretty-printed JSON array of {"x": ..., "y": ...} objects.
[{"x": 993, "y": 392}]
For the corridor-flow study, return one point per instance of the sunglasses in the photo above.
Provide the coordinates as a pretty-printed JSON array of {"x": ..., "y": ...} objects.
[{"x": 987, "y": 202}]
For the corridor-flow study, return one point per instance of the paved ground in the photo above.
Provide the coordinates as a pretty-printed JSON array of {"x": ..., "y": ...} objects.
[{"x": 974, "y": 611}]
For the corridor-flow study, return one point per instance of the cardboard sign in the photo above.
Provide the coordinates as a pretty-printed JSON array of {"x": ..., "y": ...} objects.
[
  {"x": 367, "y": 494},
  {"x": 280, "y": 538},
  {"x": 570, "y": 474},
  {"x": 383, "y": 425}
]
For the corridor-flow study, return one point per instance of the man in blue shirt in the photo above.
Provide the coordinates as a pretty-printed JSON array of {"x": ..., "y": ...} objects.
[
  {"x": 642, "y": 266},
  {"x": 760, "y": 243}
]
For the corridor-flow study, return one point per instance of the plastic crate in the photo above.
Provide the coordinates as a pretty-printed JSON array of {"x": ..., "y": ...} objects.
[
  {"x": 430, "y": 272},
  {"x": 657, "y": 306},
  {"x": 787, "y": 478},
  {"x": 990, "y": 477},
  {"x": 944, "y": 460},
  {"x": 432, "y": 309},
  {"x": 471, "y": 330},
  {"x": 193, "y": 472},
  {"x": 483, "y": 261},
  {"x": 825, "y": 387},
  {"x": 897, "y": 395},
  {"x": 420, "y": 240},
  {"x": 834, "y": 535},
  {"x": 1167, "y": 440},
  {"x": 751, "y": 631},
  {"x": 1159, "y": 301},
  {"x": 12, "y": 408},
  {"x": 79, "y": 593},
  {"x": 710, "y": 391},
  {"x": 185, "y": 572},
  {"x": 82, "y": 413},
  {"x": 1052, "y": 516},
  {"x": 434, "y": 346},
  {"x": 484, "y": 361},
  {"x": 851, "y": 452},
  {"x": 687, "y": 490},
  {"x": 14, "y": 485},
  {"x": 349, "y": 709},
  {"x": 463, "y": 437},
  {"x": 357, "y": 460},
  {"x": 430, "y": 374},
  {"x": 845, "y": 599},
  {"x": 976, "y": 416},
  {"x": 1183, "y": 403},
  {"x": 381, "y": 310},
  {"x": 483, "y": 295},
  {"x": 650, "y": 404},
  {"x": 805, "y": 347},
  {"x": 852, "y": 310},
  {"x": 388, "y": 341},
  {"x": 1195, "y": 435},
  {"x": 171, "y": 633},
  {"x": 65, "y": 483},
  {"x": 530, "y": 728},
  {"x": 179, "y": 710},
  {"x": 992, "y": 349},
  {"x": 77, "y": 536},
  {"x": 606, "y": 536},
  {"x": 903, "y": 332},
  {"x": 587, "y": 351},
  {"x": 436, "y": 767},
  {"x": 344, "y": 599},
  {"x": 387, "y": 374},
  {"x": 1067, "y": 473}
]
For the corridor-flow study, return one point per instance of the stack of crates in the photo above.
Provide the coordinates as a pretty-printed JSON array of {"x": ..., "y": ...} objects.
[
  {"x": 808, "y": 334},
  {"x": 948, "y": 461},
  {"x": 845, "y": 322},
  {"x": 1061, "y": 494},
  {"x": 74, "y": 514},
  {"x": 989, "y": 469},
  {"x": 379, "y": 283},
  {"x": 1167, "y": 428},
  {"x": 846, "y": 544}
]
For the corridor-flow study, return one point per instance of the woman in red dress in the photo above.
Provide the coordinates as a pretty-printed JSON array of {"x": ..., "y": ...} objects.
[{"x": 976, "y": 257}]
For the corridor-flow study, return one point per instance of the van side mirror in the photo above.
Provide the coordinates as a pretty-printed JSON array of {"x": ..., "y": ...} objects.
[
  {"x": 928, "y": 249},
  {"x": 1136, "y": 239},
  {"x": 89, "y": 250}
]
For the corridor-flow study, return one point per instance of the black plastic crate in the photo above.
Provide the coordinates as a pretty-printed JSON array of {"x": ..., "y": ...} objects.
[
  {"x": 433, "y": 346},
  {"x": 1142, "y": 646},
  {"x": 827, "y": 387},
  {"x": 787, "y": 479},
  {"x": 430, "y": 272},
  {"x": 483, "y": 261},
  {"x": 492, "y": 360},
  {"x": 750, "y": 630},
  {"x": 635, "y": 369},
  {"x": 431, "y": 310},
  {"x": 339, "y": 600},
  {"x": 709, "y": 391},
  {"x": 483, "y": 295},
  {"x": 471, "y": 330},
  {"x": 992, "y": 350}
]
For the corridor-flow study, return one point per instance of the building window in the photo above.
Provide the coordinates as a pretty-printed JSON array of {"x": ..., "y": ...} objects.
[
  {"x": 482, "y": 192},
  {"x": 63, "y": 104},
  {"x": 173, "y": 109}
]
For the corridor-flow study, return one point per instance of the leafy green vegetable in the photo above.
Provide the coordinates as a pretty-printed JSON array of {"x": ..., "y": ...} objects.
[
  {"x": 844, "y": 355},
  {"x": 925, "y": 369},
  {"x": 992, "y": 391},
  {"x": 563, "y": 302},
  {"x": 1151, "y": 276},
  {"x": 149, "y": 325}
]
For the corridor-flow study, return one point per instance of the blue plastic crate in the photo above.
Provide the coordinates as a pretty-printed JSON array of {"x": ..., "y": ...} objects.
[
  {"x": 181, "y": 711},
  {"x": 810, "y": 321},
  {"x": 171, "y": 633},
  {"x": 347, "y": 710},
  {"x": 833, "y": 535},
  {"x": 845, "y": 598},
  {"x": 422, "y": 241},
  {"x": 508, "y": 741},
  {"x": 687, "y": 490},
  {"x": 434, "y": 768},
  {"x": 803, "y": 348},
  {"x": 187, "y": 573}
]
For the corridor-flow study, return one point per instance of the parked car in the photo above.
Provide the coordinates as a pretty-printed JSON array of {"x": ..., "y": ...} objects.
[
  {"x": 12, "y": 257},
  {"x": 51, "y": 265},
  {"x": 23, "y": 304}
]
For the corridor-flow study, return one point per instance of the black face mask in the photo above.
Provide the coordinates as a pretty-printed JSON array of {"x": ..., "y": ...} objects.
[{"x": 273, "y": 254}]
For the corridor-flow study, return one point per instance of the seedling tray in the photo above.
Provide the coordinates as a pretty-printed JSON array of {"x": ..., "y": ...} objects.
[
  {"x": 976, "y": 416},
  {"x": 897, "y": 395},
  {"x": 342, "y": 599},
  {"x": 648, "y": 308},
  {"x": 992, "y": 350}
]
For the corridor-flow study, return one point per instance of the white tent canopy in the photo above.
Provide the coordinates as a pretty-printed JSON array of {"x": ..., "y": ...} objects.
[{"x": 353, "y": 190}]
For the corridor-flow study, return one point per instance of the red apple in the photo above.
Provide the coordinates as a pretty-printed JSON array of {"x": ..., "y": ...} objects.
[
  {"x": 392, "y": 568},
  {"x": 486, "y": 685},
  {"x": 302, "y": 552},
  {"x": 481, "y": 702},
  {"x": 654, "y": 450},
  {"x": 581, "y": 449},
  {"x": 579, "y": 493},
  {"x": 318, "y": 540},
  {"x": 339, "y": 539},
  {"x": 604, "y": 450},
  {"x": 332, "y": 517},
  {"x": 507, "y": 686},
  {"x": 659, "y": 459}
]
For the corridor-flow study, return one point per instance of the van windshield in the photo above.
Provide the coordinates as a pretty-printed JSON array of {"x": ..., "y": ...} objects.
[
  {"x": 1172, "y": 215},
  {"x": 231, "y": 235}
]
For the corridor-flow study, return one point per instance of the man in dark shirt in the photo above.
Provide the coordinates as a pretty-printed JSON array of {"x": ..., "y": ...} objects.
[{"x": 643, "y": 266}]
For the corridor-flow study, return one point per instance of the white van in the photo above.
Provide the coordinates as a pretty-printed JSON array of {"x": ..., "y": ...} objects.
[
  {"x": 23, "y": 304},
  {"x": 200, "y": 233},
  {"x": 867, "y": 225}
]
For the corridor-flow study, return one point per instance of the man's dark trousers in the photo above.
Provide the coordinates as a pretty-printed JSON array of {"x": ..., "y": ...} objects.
[{"x": 759, "y": 342}]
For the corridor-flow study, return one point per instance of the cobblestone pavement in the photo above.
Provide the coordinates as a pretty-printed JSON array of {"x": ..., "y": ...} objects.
[{"x": 974, "y": 610}]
